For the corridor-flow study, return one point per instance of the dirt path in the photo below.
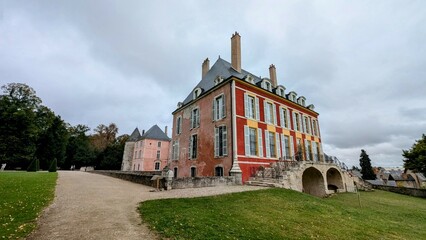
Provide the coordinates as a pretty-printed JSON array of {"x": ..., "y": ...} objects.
[{"x": 92, "y": 206}]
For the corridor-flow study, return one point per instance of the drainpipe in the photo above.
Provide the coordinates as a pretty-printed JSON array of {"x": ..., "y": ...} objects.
[{"x": 235, "y": 170}]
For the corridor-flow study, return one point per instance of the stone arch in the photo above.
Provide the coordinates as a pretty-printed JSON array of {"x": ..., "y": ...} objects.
[
  {"x": 313, "y": 182},
  {"x": 334, "y": 179}
]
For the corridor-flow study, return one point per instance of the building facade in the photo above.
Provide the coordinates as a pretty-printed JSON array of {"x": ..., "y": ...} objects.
[
  {"x": 233, "y": 122},
  {"x": 146, "y": 152}
]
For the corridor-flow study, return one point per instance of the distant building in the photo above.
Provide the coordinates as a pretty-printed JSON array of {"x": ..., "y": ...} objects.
[
  {"x": 233, "y": 122},
  {"x": 146, "y": 152}
]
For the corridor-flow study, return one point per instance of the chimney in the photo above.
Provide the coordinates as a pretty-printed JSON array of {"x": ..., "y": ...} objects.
[
  {"x": 165, "y": 128},
  {"x": 236, "y": 52},
  {"x": 205, "y": 67},
  {"x": 143, "y": 132},
  {"x": 273, "y": 75}
]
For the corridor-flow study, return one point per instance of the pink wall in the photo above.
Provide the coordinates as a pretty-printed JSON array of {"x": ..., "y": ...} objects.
[{"x": 145, "y": 154}]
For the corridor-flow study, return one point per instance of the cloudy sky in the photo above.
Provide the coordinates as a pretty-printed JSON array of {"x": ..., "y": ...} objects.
[{"x": 361, "y": 63}]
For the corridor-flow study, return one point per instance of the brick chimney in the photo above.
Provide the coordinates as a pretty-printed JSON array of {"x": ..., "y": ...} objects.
[
  {"x": 165, "y": 128},
  {"x": 273, "y": 75},
  {"x": 236, "y": 52},
  {"x": 205, "y": 67}
]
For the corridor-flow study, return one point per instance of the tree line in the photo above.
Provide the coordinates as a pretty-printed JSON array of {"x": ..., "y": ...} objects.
[{"x": 32, "y": 134}]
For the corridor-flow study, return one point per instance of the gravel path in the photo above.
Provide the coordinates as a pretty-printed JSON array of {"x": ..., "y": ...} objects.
[{"x": 93, "y": 206}]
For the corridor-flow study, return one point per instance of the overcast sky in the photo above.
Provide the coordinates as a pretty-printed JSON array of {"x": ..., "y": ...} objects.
[{"x": 361, "y": 63}]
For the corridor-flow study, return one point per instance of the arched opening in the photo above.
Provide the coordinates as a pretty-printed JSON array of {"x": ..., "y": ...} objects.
[
  {"x": 313, "y": 182},
  {"x": 334, "y": 180},
  {"x": 218, "y": 171}
]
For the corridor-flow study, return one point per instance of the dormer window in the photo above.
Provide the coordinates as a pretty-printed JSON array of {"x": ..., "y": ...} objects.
[
  {"x": 266, "y": 84},
  {"x": 292, "y": 96},
  {"x": 280, "y": 91},
  {"x": 250, "y": 79},
  {"x": 180, "y": 104},
  {"x": 311, "y": 107},
  {"x": 218, "y": 80},
  {"x": 196, "y": 93},
  {"x": 301, "y": 100}
]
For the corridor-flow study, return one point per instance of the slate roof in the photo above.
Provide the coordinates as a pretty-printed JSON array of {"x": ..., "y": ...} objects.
[
  {"x": 220, "y": 68},
  {"x": 134, "y": 136},
  {"x": 155, "y": 133}
]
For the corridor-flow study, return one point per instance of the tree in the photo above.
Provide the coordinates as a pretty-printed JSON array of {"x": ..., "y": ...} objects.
[
  {"x": 366, "y": 169},
  {"x": 415, "y": 158},
  {"x": 104, "y": 136},
  {"x": 78, "y": 151},
  {"x": 18, "y": 128}
]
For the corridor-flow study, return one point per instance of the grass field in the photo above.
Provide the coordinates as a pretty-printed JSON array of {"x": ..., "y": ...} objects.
[
  {"x": 23, "y": 195},
  {"x": 285, "y": 214}
]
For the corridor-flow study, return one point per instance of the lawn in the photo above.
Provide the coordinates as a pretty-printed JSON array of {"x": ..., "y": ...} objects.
[
  {"x": 23, "y": 195},
  {"x": 286, "y": 214}
]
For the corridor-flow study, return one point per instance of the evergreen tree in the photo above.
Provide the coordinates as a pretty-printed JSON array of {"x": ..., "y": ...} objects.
[
  {"x": 366, "y": 169},
  {"x": 415, "y": 158},
  {"x": 34, "y": 166},
  {"x": 53, "y": 165}
]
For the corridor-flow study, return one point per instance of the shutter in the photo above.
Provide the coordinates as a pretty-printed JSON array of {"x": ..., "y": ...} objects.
[
  {"x": 216, "y": 142},
  {"x": 292, "y": 151},
  {"x": 314, "y": 149},
  {"x": 288, "y": 118},
  {"x": 277, "y": 144},
  {"x": 265, "y": 111},
  {"x": 306, "y": 149},
  {"x": 282, "y": 117},
  {"x": 302, "y": 120},
  {"x": 257, "y": 109},
  {"x": 294, "y": 121},
  {"x": 247, "y": 140},
  {"x": 223, "y": 114},
  {"x": 260, "y": 142},
  {"x": 246, "y": 104},
  {"x": 268, "y": 149},
  {"x": 190, "y": 147},
  {"x": 225, "y": 141},
  {"x": 214, "y": 110},
  {"x": 274, "y": 114},
  {"x": 198, "y": 118},
  {"x": 283, "y": 149},
  {"x": 192, "y": 118}
]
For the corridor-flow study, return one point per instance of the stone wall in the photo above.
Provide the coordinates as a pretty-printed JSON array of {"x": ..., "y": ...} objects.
[
  {"x": 407, "y": 191},
  {"x": 136, "y": 177},
  {"x": 202, "y": 182}
]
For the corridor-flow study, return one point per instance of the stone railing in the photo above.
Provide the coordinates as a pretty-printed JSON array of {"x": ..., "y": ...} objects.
[{"x": 416, "y": 192}]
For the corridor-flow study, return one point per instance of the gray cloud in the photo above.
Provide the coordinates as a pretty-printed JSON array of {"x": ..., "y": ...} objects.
[{"x": 362, "y": 64}]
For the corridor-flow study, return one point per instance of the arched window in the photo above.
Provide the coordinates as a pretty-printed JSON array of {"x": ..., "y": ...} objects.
[
  {"x": 218, "y": 171},
  {"x": 193, "y": 171},
  {"x": 175, "y": 172},
  {"x": 196, "y": 93},
  {"x": 157, "y": 166},
  {"x": 218, "y": 80},
  {"x": 249, "y": 78},
  {"x": 266, "y": 84}
]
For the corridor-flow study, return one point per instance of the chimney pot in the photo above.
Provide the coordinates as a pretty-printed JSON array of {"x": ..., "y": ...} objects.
[
  {"x": 273, "y": 75},
  {"x": 205, "y": 67},
  {"x": 236, "y": 52}
]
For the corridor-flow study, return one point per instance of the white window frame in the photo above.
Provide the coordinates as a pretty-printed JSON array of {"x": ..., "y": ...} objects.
[
  {"x": 218, "y": 144},
  {"x": 251, "y": 111},
  {"x": 155, "y": 165},
  {"x": 178, "y": 125},
  {"x": 175, "y": 150},
  {"x": 219, "y": 109},
  {"x": 270, "y": 118},
  {"x": 195, "y": 117},
  {"x": 192, "y": 147}
]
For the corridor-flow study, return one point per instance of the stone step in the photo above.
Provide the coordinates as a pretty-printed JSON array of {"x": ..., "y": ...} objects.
[{"x": 261, "y": 184}]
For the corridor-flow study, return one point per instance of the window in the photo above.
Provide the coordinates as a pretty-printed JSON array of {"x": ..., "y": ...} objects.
[
  {"x": 175, "y": 150},
  {"x": 138, "y": 166},
  {"x": 219, "y": 111},
  {"x": 271, "y": 150},
  {"x": 157, "y": 166},
  {"x": 253, "y": 141},
  {"x": 140, "y": 153},
  {"x": 297, "y": 121},
  {"x": 307, "y": 126},
  {"x": 193, "y": 146},
  {"x": 266, "y": 85},
  {"x": 175, "y": 172},
  {"x": 158, "y": 154},
  {"x": 134, "y": 167},
  {"x": 251, "y": 107},
  {"x": 179, "y": 125},
  {"x": 193, "y": 171},
  {"x": 220, "y": 142},
  {"x": 284, "y": 118},
  {"x": 292, "y": 96},
  {"x": 308, "y": 147},
  {"x": 218, "y": 80},
  {"x": 218, "y": 171},
  {"x": 280, "y": 91},
  {"x": 249, "y": 78},
  {"x": 195, "y": 118},
  {"x": 315, "y": 127},
  {"x": 318, "y": 150},
  {"x": 285, "y": 145},
  {"x": 196, "y": 93},
  {"x": 136, "y": 154},
  {"x": 270, "y": 115}
]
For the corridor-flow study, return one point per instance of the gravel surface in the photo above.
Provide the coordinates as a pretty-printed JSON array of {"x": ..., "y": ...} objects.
[{"x": 93, "y": 206}]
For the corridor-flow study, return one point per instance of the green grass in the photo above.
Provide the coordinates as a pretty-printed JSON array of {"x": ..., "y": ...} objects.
[
  {"x": 23, "y": 195},
  {"x": 285, "y": 214}
]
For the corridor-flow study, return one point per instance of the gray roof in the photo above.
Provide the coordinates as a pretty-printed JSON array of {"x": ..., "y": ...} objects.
[
  {"x": 155, "y": 133},
  {"x": 134, "y": 136},
  {"x": 223, "y": 69}
]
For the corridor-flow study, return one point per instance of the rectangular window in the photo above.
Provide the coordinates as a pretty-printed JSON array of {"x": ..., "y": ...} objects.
[
  {"x": 193, "y": 172},
  {"x": 284, "y": 117},
  {"x": 157, "y": 166},
  {"x": 221, "y": 141},
  {"x": 272, "y": 145},
  {"x": 178, "y": 125},
  {"x": 195, "y": 118},
  {"x": 251, "y": 106},
  {"x": 308, "y": 150},
  {"x": 158, "y": 154},
  {"x": 219, "y": 108},
  {"x": 193, "y": 146},
  {"x": 297, "y": 121},
  {"x": 307, "y": 127},
  {"x": 286, "y": 146},
  {"x": 175, "y": 150},
  {"x": 175, "y": 172},
  {"x": 253, "y": 141}
]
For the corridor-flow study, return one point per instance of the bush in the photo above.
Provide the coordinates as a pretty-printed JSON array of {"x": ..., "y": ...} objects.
[
  {"x": 53, "y": 165},
  {"x": 34, "y": 165}
]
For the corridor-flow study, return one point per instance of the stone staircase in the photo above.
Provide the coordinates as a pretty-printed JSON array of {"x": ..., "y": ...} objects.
[{"x": 269, "y": 177}]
